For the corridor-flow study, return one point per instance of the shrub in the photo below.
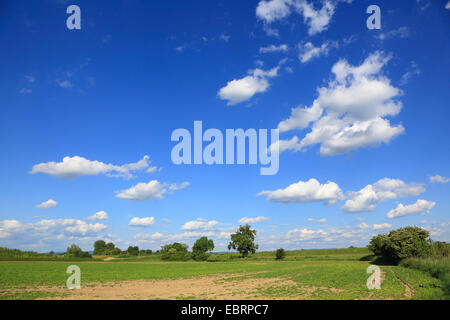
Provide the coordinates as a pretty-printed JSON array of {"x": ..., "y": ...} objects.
[
  {"x": 133, "y": 251},
  {"x": 99, "y": 247},
  {"x": 175, "y": 252},
  {"x": 75, "y": 251},
  {"x": 280, "y": 254},
  {"x": 145, "y": 252},
  {"x": 408, "y": 242},
  {"x": 218, "y": 257},
  {"x": 378, "y": 244},
  {"x": 401, "y": 244},
  {"x": 200, "y": 247},
  {"x": 441, "y": 249},
  {"x": 113, "y": 252}
]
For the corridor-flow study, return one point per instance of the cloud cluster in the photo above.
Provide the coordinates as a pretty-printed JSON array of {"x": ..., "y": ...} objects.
[
  {"x": 45, "y": 230},
  {"x": 402, "y": 32},
  {"x": 240, "y": 90},
  {"x": 148, "y": 191},
  {"x": 382, "y": 226},
  {"x": 101, "y": 215},
  {"x": 273, "y": 48},
  {"x": 439, "y": 179},
  {"x": 246, "y": 220},
  {"x": 306, "y": 234},
  {"x": 418, "y": 208},
  {"x": 370, "y": 196},
  {"x": 200, "y": 224},
  {"x": 308, "y": 51},
  {"x": 74, "y": 167},
  {"x": 49, "y": 204},
  {"x": 306, "y": 191},
  {"x": 317, "y": 19},
  {"x": 142, "y": 222},
  {"x": 350, "y": 113}
]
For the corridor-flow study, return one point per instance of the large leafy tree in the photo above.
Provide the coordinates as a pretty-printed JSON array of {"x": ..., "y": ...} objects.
[
  {"x": 201, "y": 246},
  {"x": 99, "y": 247},
  {"x": 74, "y": 250},
  {"x": 408, "y": 242},
  {"x": 243, "y": 240},
  {"x": 402, "y": 243},
  {"x": 133, "y": 251}
]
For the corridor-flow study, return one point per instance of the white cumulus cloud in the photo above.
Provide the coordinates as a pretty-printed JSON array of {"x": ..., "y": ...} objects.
[
  {"x": 240, "y": 90},
  {"x": 418, "y": 208},
  {"x": 308, "y": 51},
  {"x": 100, "y": 215},
  {"x": 141, "y": 222},
  {"x": 74, "y": 167},
  {"x": 439, "y": 179},
  {"x": 273, "y": 48},
  {"x": 381, "y": 226},
  {"x": 306, "y": 191},
  {"x": 148, "y": 191},
  {"x": 317, "y": 18},
  {"x": 384, "y": 189},
  {"x": 246, "y": 220},
  {"x": 50, "y": 203},
  {"x": 349, "y": 113},
  {"x": 200, "y": 224}
]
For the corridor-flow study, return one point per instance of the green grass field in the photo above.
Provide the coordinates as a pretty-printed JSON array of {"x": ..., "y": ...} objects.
[{"x": 309, "y": 274}]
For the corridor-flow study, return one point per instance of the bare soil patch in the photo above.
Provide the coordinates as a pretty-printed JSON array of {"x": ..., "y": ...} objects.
[{"x": 205, "y": 287}]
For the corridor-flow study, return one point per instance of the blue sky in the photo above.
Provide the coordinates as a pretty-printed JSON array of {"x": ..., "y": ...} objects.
[{"x": 363, "y": 118}]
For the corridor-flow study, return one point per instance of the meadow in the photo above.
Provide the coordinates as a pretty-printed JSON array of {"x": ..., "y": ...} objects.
[{"x": 306, "y": 274}]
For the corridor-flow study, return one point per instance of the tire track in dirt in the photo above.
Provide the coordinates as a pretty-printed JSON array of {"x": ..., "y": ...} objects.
[{"x": 409, "y": 290}]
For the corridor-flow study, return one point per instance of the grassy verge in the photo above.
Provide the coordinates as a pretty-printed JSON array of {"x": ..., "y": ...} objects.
[{"x": 437, "y": 267}]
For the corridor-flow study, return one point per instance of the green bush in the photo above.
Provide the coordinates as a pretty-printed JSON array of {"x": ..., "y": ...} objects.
[
  {"x": 75, "y": 251},
  {"x": 112, "y": 252},
  {"x": 175, "y": 252},
  {"x": 133, "y": 251},
  {"x": 441, "y": 249},
  {"x": 219, "y": 257},
  {"x": 280, "y": 254},
  {"x": 401, "y": 244},
  {"x": 378, "y": 244},
  {"x": 199, "y": 256},
  {"x": 200, "y": 247}
]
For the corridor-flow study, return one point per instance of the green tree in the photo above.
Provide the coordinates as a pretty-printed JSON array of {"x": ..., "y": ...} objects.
[
  {"x": 378, "y": 244},
  {"x": 133, "y": 251},
  {"x": 441, "y": 249},
  {"x": 402, "y": 243},
  {"x": 110, "y": 246},
  {"x": 243, "y": 241},
  {"x": 99, "y": 247},
  {"x": 175, "y": 252},
  {"x": 75, "y": 251},
  {"x": 200, "y": 247},
  {"x": 280, "y": 254},
  {"x": 408, "y": 242}
]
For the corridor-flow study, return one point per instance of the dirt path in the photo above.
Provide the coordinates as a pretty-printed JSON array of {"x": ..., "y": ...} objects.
[{"x": 409, "y": 290}]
